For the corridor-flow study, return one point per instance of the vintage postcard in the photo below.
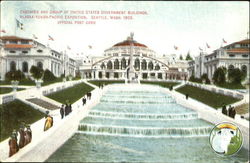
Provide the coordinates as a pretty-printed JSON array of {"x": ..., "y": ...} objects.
[{"x": 124, "y": 81}]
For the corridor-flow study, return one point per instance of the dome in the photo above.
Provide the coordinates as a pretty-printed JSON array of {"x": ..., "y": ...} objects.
[{"x": 127, "y": 43}]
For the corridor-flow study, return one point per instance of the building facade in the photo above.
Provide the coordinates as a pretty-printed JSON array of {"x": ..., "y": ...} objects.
[
  {"x": 235, "y": 55},
  {"x": 115, "y": 62},
  {"x": 18, "y": 53}
]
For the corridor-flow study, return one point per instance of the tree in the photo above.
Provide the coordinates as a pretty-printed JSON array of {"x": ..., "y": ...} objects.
[
  {"x": 48, "y": 76},
  {"x": 205, "y": 77},
  {"x": 14, "y": 75},
  {"x": 36, "y": 72},
  {"x": 235, "y": 76},
  {"x": 219, "y": 76},
  {"x": 188, "y": 57},
  {"x": 181, "y": 58}
]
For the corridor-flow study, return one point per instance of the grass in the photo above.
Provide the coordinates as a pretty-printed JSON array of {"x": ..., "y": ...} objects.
[
  {"x": 13, "y": 113},
  {"x": 163, "y": 84},
  {"x": 72, "y": 94},
  {"x": 26, "y": 82},
  {"x": 242, "y": 109},
  {"x": 212, "y": 99},
  {"x": 106, "y": 82},
  {"x": 231, "y": 86},
  {"x": 4, "y": 90},
  {"x": 52, "y": 82}
]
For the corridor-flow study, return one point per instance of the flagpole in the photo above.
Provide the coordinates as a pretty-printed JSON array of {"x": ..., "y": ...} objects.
[{"x": 15, "y": 27}]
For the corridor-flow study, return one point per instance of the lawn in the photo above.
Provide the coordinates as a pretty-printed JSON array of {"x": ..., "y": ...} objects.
[
  {"x": 106, "y": 82},
  {"x": 231, "y": 86},
  {"x": 72, "y": 94},
  {"x": 163, "y": 84},
  {"x": 22, "y": 82},
  {"x": 4, "y": 90},
  {"x": 13, "y": 113},
  {"x": 212, "y": 99}
]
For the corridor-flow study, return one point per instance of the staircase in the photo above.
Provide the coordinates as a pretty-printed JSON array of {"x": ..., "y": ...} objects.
[{"x": 43, "y": 103}]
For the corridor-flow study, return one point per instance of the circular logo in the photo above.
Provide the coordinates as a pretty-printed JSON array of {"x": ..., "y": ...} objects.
[{"x": 226, "y": 139}]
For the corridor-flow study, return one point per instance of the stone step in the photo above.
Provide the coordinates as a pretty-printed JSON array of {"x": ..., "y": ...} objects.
[{"x": 43, "y": 103}]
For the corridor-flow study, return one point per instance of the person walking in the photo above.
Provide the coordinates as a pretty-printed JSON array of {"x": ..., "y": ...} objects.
[
  {"x": 48, "y": 122},
  {"x": 224, "y": 110},
  {"x": 22, "y": 138},
  {"x": 29, "y": 132},
  {"x": 233, "y": 112},
  {"x": 13, "y": 148},
  {"x": 62, "y": 111},
  {"x": 70, "y": 108},
  {"x": 84, "y": 100},
  {"x": 186, "y": 96},
  {"x": 14, "y": 133},
  {"x": 66, "y": 109},
  {"x": 230, "y": 111}
]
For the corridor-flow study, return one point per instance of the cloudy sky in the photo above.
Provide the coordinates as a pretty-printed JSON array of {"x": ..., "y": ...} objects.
[{"x": 187, "y": 25}]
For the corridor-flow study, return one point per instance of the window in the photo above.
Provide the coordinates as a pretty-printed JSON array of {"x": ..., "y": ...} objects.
[
  {"x": 150, "y": 65},
  {"x": 109, "y": 65},
  {"x": 25, "y": 67},
  {"x": 144, "y": 64},
  {"x": 24, "y": 42},
  {"x": 103, "y": 66},
  {"x": 13, "y": 42},
  {"x": 39, "y": 51},
  {"x": 116, "y": 64},
  {"x": 123, "y": 63},
  {"x": 157, "y": 67},
  {"x": 40, "y": 65},
  {"x": 231, "y": 55},
  {"x": 245, "y": 55},
  {"x": 137, "y": 64},
  {"x": 12, "y": 51},
  {"x": 244, "y": 69},
  {"x": 24, "y": 52},
  {"x": 116, "y": 75},
  {"x": 12, "y": 66}
]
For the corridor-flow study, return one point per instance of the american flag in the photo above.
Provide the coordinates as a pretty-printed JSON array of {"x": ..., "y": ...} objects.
[
  {"x": 175, "y": 47},
  {"x": 208, "y": 45},
  {"x": 200, "y": 49},
  {"x": 68, "y": 48},
  {"x": 19, "y": 24},
  {"x": 224, "y": 41},
  {"x": 90, "y": 46},
  {"x": 50, "y": 38},
  {"x": 34, "y": 36},
  {"x": 3, "y": 31}
]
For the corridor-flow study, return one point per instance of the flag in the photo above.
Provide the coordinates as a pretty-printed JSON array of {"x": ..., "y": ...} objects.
[
  {"x": 68, "y": 48},
  {"x": 50, "y": 38},
  {"x": 34, "y": 36},
  {"x": 19, "y": 24},
  {"x": 200, "y": 49},
  {"x": 224, "y": 41},
  {"x": 77, "y": 53},
  {"x": 3, "y": 31},
  {"x": 208, "y": 45},
  {"x": 175, "y": 47},
  {"x": 90, "y": 46}
]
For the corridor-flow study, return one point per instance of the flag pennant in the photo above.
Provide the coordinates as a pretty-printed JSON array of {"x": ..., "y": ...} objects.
[
  {"x": 208, "y": 45},
  {"x": 175, "y": 47},
  {"x": 34, "y": 36},
  {"x": 19, "y": 24},
  {"x": 51, "y": 38},
  {"x": 3, "y": 31},
  {"x": 200, "y": 49},
  {"x": 90, "y": 46},
  {"x": 224, "y": 41},
  {"x": 68, "y": 48}
]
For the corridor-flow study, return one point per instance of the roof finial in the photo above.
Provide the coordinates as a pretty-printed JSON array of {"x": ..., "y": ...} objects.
[{"x": 131, "y": 35}]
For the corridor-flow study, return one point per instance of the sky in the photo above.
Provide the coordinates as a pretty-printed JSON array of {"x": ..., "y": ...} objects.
[{"x": 187, "y": 25}]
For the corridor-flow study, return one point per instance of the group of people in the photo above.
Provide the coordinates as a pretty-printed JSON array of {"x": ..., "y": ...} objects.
[
  {"x": 48, "y": 122},
  {"x": 100, "y": 85},
  {"x": 231, "y": 112},
  {"x": 19, "y": 139},
  {"x": 65, "y": 110}
]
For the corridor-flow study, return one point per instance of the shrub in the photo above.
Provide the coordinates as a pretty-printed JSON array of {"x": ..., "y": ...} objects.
[
  {"x": 14, "y": 75},
  {"x": 205, "y": 77},
  {"x": 48, "y": 76},
  {"x": 36, "y": 72},
  {"x": 219, "y": 76}
]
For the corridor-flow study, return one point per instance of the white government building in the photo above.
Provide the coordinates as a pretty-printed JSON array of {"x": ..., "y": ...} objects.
[
  {"x": 235, "y": 55},
  {"x": 18, "y": 53},
  {"x": 114, "y": 63}
]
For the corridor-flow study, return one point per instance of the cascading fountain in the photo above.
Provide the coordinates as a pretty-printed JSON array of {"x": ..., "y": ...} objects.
[{"x": 140, "y": 123}]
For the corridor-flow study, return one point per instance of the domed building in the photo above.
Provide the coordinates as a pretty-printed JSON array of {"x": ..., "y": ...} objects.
[{"x": 115, "y": 63}]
